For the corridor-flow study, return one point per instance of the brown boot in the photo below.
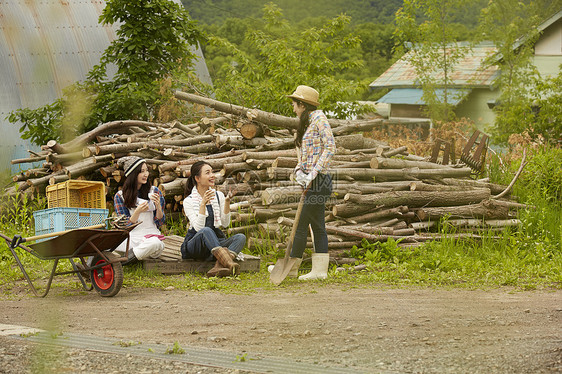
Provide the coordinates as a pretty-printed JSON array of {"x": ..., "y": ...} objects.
[
  {"x": 218, "y": 271},
  {"x": 223, "y": 257}
]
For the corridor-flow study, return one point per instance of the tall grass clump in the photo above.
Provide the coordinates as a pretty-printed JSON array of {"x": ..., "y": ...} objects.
[
  {"x": 527, "y": 256},
  {"x": 17, "y": 213},
  {"x": 16, "y": 218},
  {"x": 540, "y": 187}
]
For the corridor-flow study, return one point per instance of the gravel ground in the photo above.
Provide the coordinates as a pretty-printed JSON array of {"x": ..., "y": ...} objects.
[
  {"x": 20, "y": 357},
  {"x": 375, "y": 330}
]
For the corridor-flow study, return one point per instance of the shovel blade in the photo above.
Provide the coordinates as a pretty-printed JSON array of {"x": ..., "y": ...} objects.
[{"x": 281, "y": 269}]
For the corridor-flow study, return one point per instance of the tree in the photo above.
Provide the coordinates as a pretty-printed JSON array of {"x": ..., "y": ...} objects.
[
  {"x": 547, "y": 99},
  {"x": 279, "y": 58},
  {"x": 511, "y": 26},
  {"x": 428, "y": 29},
  {"x": 152, "y": 44}
]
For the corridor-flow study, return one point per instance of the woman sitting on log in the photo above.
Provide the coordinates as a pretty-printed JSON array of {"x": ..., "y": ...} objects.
[
  {"x": 140, "y": 202},
  {"x": 315, "y": 147},
  {"x": 208, "y": 209}
]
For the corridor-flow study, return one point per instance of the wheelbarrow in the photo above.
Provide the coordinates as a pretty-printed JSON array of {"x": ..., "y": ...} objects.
[{"x": 105, "y": 270}]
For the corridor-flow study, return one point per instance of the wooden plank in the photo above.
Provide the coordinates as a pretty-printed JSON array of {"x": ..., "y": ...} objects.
[{"x": 250, "y": 264}]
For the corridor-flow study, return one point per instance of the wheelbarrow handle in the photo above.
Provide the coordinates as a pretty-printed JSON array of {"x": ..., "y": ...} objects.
[
  {"x": 31, "y": 238},
  {"x": 16, "y": 241}
]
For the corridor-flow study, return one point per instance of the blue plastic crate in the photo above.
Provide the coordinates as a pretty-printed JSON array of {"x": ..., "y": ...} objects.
[{"x": 61, "y": 219}]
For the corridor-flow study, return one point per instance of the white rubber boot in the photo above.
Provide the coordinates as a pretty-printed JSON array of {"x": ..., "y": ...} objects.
[
  {"x": 294, "y": 272},
  {"x": 320, "y": 262}
]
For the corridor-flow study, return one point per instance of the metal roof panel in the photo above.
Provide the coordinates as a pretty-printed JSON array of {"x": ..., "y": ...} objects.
[
  {"x": 467, "y": 72},
  {"x": 45, "y": 46},
  {"x": 414, "y": 96}
]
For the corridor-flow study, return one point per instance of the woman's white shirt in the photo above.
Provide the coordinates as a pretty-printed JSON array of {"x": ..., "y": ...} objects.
[{"x": 191, "y": 206}]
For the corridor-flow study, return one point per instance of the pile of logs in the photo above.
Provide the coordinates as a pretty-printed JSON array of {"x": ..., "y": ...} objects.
[{"x": 379, "y": 192}]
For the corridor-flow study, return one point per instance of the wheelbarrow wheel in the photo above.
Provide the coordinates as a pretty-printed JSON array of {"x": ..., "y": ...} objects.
[{"x": 107, "y": 280}]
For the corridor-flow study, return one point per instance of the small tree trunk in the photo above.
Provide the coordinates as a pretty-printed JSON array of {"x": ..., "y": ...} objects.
[
  {"x": 270, "y": 155},
  {"x": 350, "y": 209},
  {"x": 494, "y": 188},
  {"x": 487, "y": 209},
  {"x": 56, "y": 147},
  {"x": 87, "y": 166},
  {"x": 175, "y": 187},
  {"x": 279, "y": 173},
  {"x": 396, "y": 163},
  {"x": 64, "y": 158},
  {"x": 281, "y": 195},
  {"x": 346, "y": 232},
  {"x": 259, "y": 164},
  {"x": 251, "y": 130},
  {"x": 418, "y": 199},
  {"x": 421, "y": 186},
  {"x": 356, "y": 141},
  {"x": 29, "y": 159},
  {"x": 269, "y": 119},
  {"x": 386, "y": 213},
  {"x": 381, "y": 175},
  {"x": 285, "y": 162},
  {"x": 394, "y": 152},
  {"x": 229, "y": 168}
]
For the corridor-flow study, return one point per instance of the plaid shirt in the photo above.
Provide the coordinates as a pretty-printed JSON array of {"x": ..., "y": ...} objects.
[
  {"x": 318, "y": 145},
  {"x": 121, "y": 209}
]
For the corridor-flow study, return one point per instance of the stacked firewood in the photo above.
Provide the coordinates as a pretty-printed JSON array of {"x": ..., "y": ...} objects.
[{"x": 379, "y": 192}]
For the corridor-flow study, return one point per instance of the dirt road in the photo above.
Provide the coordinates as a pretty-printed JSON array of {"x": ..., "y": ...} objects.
[{"x": 379, "y": 329}]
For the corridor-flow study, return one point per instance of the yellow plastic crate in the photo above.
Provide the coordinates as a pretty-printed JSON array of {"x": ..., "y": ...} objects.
[{"x": 76, "y": 194}]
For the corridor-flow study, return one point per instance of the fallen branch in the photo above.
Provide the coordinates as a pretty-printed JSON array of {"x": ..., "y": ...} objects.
[{"x": 523, "y": 163}]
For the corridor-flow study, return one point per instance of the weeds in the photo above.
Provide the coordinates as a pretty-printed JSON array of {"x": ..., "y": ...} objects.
[
  {"x": 129, "y": 343},
  {"x": 17, "y": 213},
  {"x": 176, "y": 226},
  {"x": 175, "y": 350},
  {"x": 29, "y": 334}
]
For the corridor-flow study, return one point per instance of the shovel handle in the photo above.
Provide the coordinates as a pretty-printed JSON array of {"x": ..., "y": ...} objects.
[
  {"x": 295, "y": 224},
  {"x": 31, "y": 238}
]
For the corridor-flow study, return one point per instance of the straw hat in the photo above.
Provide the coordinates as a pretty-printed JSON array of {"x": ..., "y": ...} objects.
[{"x": 305, "y": 94}]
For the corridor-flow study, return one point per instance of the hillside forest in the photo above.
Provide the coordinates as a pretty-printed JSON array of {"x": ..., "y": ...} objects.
[
  {"x": 258, "y": 51},
  {"x": 371, "y": 21}
]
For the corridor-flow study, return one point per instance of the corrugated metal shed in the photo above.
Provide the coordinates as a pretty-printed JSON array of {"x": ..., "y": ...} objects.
[{"x": 45, "y": 46}]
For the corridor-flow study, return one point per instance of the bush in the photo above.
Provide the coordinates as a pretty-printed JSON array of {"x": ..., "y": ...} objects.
[{"x": 542, "y": 177}]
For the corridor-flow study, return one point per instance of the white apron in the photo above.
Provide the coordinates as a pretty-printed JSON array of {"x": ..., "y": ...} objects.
[{"x": 144, "y": 247}]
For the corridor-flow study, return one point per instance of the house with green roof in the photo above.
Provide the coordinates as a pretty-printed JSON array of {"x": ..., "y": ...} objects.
[{"x": 471, "y": 91}]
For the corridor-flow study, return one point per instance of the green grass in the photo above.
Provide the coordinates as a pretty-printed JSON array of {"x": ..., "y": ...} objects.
[
  {"x": 530, "y": 258},
  {"x": 446, "y": 263},
  {"x": 526, "y": 257}
]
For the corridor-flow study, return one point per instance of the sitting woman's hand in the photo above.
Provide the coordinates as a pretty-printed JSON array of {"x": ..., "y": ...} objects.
[
  {"x": 230, "y": 192},
  {"x": 142, "y": 207},
  {"x": 208, "y": 196}
]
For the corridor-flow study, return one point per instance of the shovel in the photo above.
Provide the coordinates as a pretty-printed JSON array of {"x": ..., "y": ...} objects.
[{"x": 284, "y": 265}]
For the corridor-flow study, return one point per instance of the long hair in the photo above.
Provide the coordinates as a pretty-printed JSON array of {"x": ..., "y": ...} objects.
[
  {"x": 130, "y": 192},
  {"x": 195, "y": 171},
  {"x": 304, "y": 121}
]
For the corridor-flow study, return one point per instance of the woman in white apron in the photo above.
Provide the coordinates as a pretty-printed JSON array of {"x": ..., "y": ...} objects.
[{"x": 140, "y": 202}]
